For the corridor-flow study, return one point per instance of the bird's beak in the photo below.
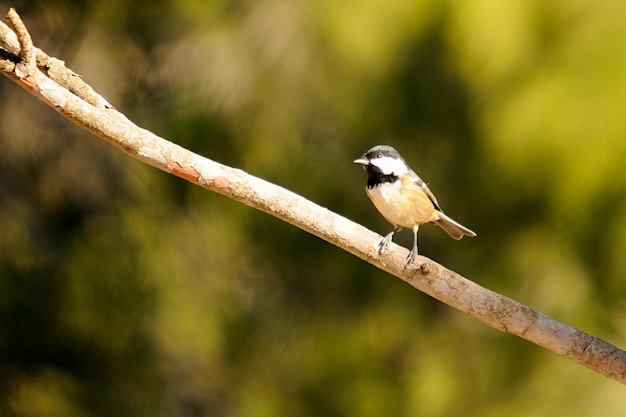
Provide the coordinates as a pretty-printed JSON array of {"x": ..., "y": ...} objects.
[{"x": 362, "y": 161}]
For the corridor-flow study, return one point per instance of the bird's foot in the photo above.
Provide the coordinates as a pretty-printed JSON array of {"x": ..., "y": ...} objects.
[
  {"x": 411, "y": 257},
  {"x": 382, "y": 246}
]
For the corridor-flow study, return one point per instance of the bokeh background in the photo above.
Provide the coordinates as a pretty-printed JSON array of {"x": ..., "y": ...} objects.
[{"x": 125, "y": 291}]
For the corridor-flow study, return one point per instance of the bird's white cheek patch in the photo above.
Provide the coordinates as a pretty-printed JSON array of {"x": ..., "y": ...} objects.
[{"x": 389, "y": 165}]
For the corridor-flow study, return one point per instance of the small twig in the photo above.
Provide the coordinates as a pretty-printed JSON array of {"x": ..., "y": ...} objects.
[
  {"x": 27, "y": 65},
  {"x": 8, "y": 40},
  {"x": 57, "y": 71},
  {"x": 53, "y": 68}
]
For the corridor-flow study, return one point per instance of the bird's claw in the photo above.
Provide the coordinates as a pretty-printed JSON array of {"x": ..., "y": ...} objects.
[
  {"x": 411, "y": 256},
  {"x": 384, "y": 243}
]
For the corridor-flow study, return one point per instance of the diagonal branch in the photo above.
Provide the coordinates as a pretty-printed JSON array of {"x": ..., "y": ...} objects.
[{"x": 78, "y": 102}]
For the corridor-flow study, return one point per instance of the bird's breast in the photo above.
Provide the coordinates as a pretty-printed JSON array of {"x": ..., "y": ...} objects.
[{"x": 402, "y": 203}]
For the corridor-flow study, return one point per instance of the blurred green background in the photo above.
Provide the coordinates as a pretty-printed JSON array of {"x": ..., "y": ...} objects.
[{"x": 125, "y": 291}]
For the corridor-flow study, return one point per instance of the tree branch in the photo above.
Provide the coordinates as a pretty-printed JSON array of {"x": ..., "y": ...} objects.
[{"x": 63, "y": 90}]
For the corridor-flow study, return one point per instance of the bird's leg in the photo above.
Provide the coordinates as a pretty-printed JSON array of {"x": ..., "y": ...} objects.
[
  {"x": 382, "y": 246},
  {"x": 413, "y": 252}
]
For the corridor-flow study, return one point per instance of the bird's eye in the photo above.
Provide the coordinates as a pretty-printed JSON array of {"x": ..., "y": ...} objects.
[{"x": 379, "y": 155}]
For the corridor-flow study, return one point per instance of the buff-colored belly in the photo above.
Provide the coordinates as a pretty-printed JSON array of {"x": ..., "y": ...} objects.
[{"x": 403, "y": 206}]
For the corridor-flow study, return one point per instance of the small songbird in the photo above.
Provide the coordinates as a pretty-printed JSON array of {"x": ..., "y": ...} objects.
[{"x": 402, "y": 197}]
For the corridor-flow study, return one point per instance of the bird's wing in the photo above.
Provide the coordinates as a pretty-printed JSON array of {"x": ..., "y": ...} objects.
[{"x": 420, "y": 183}]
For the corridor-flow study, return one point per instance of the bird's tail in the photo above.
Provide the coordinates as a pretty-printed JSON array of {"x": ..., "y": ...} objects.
[{"x": 454, "y": 229}]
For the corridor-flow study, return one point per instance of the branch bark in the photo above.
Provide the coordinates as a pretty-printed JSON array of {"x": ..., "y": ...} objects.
[{"x": 51, "y": 82}]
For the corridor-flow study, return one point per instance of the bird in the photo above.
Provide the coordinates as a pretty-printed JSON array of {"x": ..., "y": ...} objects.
[{"x": 403, "y": 198}]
